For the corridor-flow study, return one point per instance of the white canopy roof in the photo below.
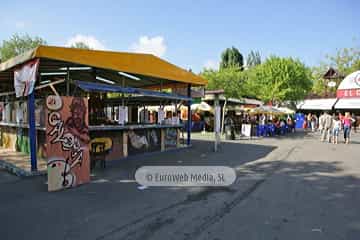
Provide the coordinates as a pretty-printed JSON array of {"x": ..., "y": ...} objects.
[
  {"x": 317, "y": 104},
  {"x": 348, "y": 103},
  {"x": 351, "y": 81}
]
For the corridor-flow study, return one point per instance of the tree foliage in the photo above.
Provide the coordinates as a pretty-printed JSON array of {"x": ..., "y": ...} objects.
[
  {"x": 18, "y": 44},
  {"x": 253, "y": 59},
  {"x": 81, "y": 45},
  {"x": 346, "y": 61},
  {"x": 231, "y": 80},
  {"x": 280, "y": 79},
  {"x": 319, "y": 83},
  {"x": 232, "y": 58},
  {"x": 276, "y": 80}
]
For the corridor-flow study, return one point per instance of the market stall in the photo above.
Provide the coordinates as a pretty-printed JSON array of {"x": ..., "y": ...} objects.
[
  {"x": 78, "y": 99},
  {"x": 132, "y": 133}
]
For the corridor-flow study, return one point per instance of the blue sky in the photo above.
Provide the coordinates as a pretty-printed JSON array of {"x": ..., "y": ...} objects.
[{"x": 191, "y": 34}]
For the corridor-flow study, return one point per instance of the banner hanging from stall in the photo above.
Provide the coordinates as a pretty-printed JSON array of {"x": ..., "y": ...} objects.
[
  {"x": 25, "y": 78},
  {"x": 67, "y": 138}
]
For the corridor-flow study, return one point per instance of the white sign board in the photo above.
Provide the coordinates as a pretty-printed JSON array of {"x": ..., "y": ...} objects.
[
  {"x": 246, "y": 130},
  {"x": 123, "y": 115},
  {"x": 161, "y": 115},
  {"x": 217, "y": 118}
]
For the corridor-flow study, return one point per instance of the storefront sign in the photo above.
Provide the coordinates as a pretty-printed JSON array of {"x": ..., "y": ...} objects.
[
  {"x": 67, "y": 138},
  {"x": 348, "y": 93},
  {"x": 25, "y": 78},
  {"x": 350, "y": 86}
]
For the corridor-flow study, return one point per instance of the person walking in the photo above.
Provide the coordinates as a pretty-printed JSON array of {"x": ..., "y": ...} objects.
[
  {"x": 262, "y": 123},
  {"x": 347, "y": 122},
  {"x": 355, "y": 122},
  {"x": 290, "y": 124},
  {"x": 321, "y": 124},
  {"x": 327, "y": 127},
  {"x": 309, "y": 123},
  {"x": 229, "y": 126},
  {"x": 313, "y": 122},
  {"x": 336, "y": 129}
]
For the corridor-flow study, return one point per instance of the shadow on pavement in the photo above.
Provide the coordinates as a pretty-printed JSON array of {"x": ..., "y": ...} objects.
[
  {"x": 299, "y": 197},
  {"x": 230, "y": 154},
  {"x": 308, "y": 195}
]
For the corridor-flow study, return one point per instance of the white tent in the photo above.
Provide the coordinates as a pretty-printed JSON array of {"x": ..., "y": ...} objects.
[
  {"x": 266, "y": 110},
  {"x": 285, "y": 110},
  {"x": 348, "y": 103},
  {"x": 349, "y": 92},
  {"x": 317, "y": 104}
]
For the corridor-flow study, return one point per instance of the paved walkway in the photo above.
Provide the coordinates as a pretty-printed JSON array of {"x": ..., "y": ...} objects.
[
  {"x": 291, "y": 187},
  {"x": 19, "y": 163}
]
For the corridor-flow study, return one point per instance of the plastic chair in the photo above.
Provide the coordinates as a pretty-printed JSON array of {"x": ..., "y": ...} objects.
[
  {"x": 97, "y": 153},
  {"x": 271, "y": 130},
  {"x": 258, "y": 130},
  {"x": 261, "y": 130},
  {"x": 283, "y": 130}
]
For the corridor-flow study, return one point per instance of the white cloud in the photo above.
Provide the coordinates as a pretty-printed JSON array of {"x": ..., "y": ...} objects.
[
  {"x": 145, "y": 44},
  {"x": 89, "y": 40},
  {"x": 20, "y": 24},
  {"x": 211, "y": 64}
]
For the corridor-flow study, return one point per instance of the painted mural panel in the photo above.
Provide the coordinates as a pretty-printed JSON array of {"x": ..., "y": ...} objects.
[
  {"x": 171, "y": 135},
  {"x": 144, "y": 140},
  {"x": 67, "y": 137}
]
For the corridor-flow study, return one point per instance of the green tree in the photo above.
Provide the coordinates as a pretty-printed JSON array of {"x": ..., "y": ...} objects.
[
  {"x": 231, "y": 80},
  {"x": 319, "y": 83},
  {"x": 18, "y": 44},
  {"x": 280, "y": 79},
  {"x": 232, "y": 58},
  {"x": 80, "y": 45},
  {"x": 253, "y": 59},
  {"x": 346, "y": 61}
]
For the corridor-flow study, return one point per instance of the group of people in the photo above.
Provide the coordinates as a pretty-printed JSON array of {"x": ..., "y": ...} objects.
[
  {"x": 263, "y": 124},
  {"x": 277, "y": 121},
  {"x": 331, "y": 125}
]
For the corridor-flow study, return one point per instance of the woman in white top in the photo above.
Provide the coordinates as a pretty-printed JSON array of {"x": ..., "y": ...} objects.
[{"x": 336, "y": 129}]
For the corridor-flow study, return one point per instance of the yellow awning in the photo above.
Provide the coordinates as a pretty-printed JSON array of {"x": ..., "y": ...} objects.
[{"x": 135, "y": 63}]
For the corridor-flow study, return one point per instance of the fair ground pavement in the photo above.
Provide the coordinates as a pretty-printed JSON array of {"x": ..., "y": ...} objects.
[{"x": 289, "y": 187}]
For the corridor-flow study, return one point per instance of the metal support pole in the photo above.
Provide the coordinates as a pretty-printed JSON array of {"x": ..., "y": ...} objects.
[
  {"x": 189, "y": 116},
  {"x": 122, "y": 94},
  {"x": 144, "y": 117},
  {"x": 32, "y": 130},
  {"x": 67, "y": 81},
  {"x": 217, "y": 123}
]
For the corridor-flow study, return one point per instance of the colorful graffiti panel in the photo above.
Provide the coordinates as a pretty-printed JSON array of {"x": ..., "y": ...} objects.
[{"x": 67, "y": 138}]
